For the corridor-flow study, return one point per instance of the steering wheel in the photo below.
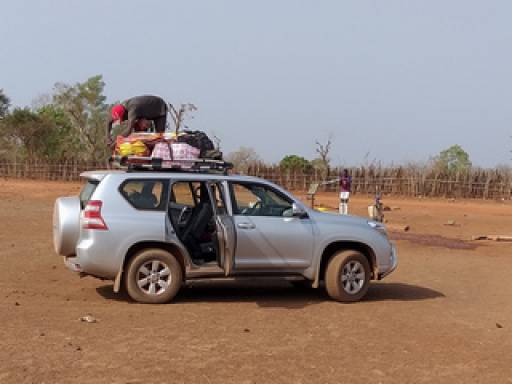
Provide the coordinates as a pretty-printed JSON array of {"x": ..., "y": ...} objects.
[
  {"x": 257, "y": 205},
  {"x": 186, "y": 209}
]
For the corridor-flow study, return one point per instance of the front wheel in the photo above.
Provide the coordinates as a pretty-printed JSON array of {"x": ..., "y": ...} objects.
[
  {"x": 153, "y": 276},
  {"x": 347, "y": 277}
]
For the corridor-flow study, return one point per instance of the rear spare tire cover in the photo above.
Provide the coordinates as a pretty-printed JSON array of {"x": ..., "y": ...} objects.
[{"x": 66, "y": 225}]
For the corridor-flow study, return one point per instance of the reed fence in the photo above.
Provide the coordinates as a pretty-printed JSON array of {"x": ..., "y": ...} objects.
[
  {"x": 482, "y": 184},
  {"x": 63, "y": 171}
]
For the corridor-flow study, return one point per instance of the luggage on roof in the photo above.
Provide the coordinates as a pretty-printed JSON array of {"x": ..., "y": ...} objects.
[
  {"x": 147, "y": 163},
  {"x": 197, "y": 139},
  {"x": 187, "y": 145}
]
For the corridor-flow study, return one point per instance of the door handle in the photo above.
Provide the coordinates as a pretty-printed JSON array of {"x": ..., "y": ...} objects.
[{"x": 246, "y": 226}]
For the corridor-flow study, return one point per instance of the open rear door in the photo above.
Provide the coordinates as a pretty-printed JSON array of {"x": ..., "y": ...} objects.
[{"x": 225, "y": 226}]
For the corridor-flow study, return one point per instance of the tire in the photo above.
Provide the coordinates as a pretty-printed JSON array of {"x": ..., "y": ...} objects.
[
  {"x": 347, "y": 277},
  {"x": 159, "y": 273},
  {"x": 66, "y": 225}
]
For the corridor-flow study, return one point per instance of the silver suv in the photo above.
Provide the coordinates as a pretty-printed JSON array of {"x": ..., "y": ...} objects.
[{"x": 152, "y": 231}]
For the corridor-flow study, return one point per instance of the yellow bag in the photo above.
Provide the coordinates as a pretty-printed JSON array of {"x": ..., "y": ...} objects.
[
  {"x": 137, "y": 148},
  {"x": 125, "y": 149}
]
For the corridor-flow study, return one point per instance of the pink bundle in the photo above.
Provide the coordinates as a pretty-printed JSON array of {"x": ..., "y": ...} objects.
[
  {"x": 184, "y": 151},
  {"x": 175, "y": 153},
  {"x": 162, "y": 151}
]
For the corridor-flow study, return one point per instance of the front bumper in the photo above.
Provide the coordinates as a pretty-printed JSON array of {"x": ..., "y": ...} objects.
[{"x": 393, "y": 263}]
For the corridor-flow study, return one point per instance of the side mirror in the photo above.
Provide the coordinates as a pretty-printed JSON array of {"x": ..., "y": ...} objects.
[{"x": 298, "y": 211}]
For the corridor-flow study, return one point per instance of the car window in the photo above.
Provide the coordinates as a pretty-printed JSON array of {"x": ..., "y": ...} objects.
[
  {"x": 144, "y": 194},
  {"x": 251, "y": 199},
  {"x": 87, "y": 191},
  {"x": 186, "y": 193}
]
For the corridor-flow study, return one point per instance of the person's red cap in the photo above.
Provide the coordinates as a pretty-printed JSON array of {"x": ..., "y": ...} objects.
[{"x": 118, "y": 112}]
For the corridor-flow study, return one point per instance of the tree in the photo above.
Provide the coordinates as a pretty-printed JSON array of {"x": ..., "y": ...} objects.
[
  {"x": 319, "y": 165},
  {"x": 295, "y": 163},
  {"x": 4, "y": 103},
  {"x": 323, "y": 150},
  {"x": 26, "y": 132},
  {"x": 59, "y": 140},
  {"x": 41, "y": 101},
  {"x": 243, "y": 158},
  {"x": 217, "y": 141},
  {"x": 84, "y": 106},
  {"x": 178, "y": 115},
  {"x": 453, "y": 160}
]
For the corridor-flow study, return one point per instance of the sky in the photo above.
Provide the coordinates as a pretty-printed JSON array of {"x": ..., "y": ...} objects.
[{"x": 389, "y": 81}]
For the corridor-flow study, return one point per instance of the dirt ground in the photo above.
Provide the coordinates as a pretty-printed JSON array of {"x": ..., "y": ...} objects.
[{"x": 445, "y": 315}]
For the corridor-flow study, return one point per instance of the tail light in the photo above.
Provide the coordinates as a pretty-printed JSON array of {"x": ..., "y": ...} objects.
[{"x": 91, "y": 218}]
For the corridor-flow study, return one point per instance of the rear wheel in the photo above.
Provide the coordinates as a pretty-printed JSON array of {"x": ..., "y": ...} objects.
[
  {"x": 347, "y": 277},
  {"x": 153, "y": 276}
]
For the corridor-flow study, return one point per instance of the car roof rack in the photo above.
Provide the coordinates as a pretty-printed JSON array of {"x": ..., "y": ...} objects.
[{"x": 156, "y": 164}]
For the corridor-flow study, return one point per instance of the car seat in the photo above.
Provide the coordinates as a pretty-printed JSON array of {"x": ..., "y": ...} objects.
[
  {"x": 145, "y": 199},
  {"x": 198, "y": 224}
]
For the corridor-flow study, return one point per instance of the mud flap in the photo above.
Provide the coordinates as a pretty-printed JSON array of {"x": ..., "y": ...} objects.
[{"x": 117, "y": 281}]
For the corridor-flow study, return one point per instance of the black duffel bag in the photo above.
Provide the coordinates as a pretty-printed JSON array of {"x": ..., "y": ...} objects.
[{"x": 201, "y": 141}]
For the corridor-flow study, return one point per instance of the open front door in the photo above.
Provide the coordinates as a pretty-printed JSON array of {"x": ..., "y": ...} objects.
[{"x": 225, "y": 226}]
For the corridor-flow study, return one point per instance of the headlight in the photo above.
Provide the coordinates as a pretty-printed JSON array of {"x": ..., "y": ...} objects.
[{"x": 378, "y": 227}]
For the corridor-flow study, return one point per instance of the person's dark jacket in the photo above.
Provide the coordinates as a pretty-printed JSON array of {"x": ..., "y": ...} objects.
[{"x": 140, "y": 107}]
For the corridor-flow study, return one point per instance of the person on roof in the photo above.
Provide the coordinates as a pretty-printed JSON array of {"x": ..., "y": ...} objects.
[{"x": 138, "y": 111}]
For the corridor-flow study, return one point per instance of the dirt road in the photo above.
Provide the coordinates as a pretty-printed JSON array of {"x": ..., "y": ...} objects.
[{"x": 445, "y": 316}]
